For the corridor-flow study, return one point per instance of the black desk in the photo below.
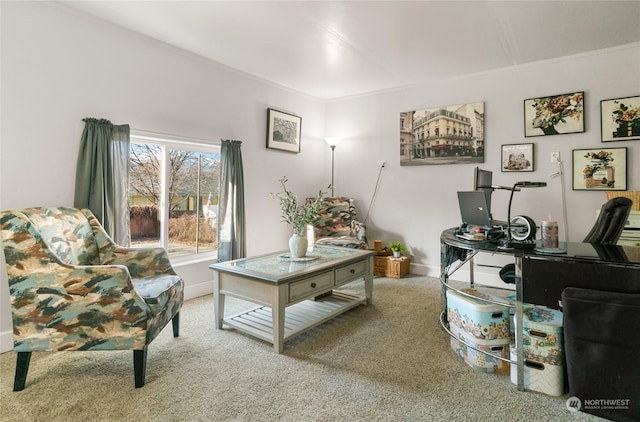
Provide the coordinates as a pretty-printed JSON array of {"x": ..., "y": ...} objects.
[
  {"x": 541, "y": 278},
  {"x": 598, "y": 267}
]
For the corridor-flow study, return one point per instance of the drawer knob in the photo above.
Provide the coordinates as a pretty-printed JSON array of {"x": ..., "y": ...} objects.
[
  {"x": 313, "y": 285},
  {"x": 353, "y": 271}
]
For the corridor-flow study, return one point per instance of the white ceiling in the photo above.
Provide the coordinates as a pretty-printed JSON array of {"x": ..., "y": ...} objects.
[{"x": 335, "y": 49}]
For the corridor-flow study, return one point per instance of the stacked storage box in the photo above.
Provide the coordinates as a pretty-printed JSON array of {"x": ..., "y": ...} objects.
[
  {"x": 482, "y": 325},
  {"x": 543, "y": 350}
]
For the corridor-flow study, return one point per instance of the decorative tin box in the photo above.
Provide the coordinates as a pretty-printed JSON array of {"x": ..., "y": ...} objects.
[
  {"x": 478, "y": 319},
  {"x": 542, "y": 336},
  {"x": 541, "y": 377},
  {"x": 480, "y": 361},
  {"x": 543, "y": 350}
]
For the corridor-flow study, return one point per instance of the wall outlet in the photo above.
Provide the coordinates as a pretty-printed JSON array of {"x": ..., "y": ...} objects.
[
  {"x": 383, "y": 164},
  {"x": 555, "y": 157}
]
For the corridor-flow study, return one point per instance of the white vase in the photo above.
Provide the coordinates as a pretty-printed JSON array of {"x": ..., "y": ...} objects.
[
  {"x": 397, "y": 254},
  {"x": 298, "y": 246}
]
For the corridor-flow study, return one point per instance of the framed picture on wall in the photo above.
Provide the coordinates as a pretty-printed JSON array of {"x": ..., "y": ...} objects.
[
  {"x": 517, "y": 157},
  {"x": 283, "y": 131},
  {"x": 620, "y": 119},
  {"x": 600, "y": 169},
  {"x": 451, "y": 134},
  {"x": 554, "y": 115}
]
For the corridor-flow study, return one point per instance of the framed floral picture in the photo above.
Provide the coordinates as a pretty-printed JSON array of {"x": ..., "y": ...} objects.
[
  {"x": 554, "y": 115},
  {"x": 517, "y": 157},
  {"x": 600, "y": 169},
  {"x": 620, "y": 119},
  {"x": 283, "y": 130}
]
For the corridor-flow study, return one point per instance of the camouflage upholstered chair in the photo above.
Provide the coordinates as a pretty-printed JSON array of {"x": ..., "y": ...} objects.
[
  {"x": 72, "y": 288},
  {"x": 337, "y": 225}
]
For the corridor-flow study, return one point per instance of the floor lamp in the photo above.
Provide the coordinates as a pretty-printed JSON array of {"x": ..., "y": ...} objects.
[{"x": 332, "y": 141}]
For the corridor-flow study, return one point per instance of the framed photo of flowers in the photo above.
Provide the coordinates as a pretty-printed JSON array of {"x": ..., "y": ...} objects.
[
  {"x": 600, "y": 169},
  {"x": 517, "y": 157},
  {"x": 620, "y": 119},
  {"x": 283, "y": 131},
  {"x": 554, "y": 115}
]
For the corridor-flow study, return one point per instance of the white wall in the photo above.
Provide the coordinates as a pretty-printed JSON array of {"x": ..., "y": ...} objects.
[
  {"x": 415, "y": 203},
  {"x": 59, "y": 66}
]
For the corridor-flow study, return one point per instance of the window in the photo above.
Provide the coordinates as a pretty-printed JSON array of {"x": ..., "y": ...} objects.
[{"x": 173, "y": 194}]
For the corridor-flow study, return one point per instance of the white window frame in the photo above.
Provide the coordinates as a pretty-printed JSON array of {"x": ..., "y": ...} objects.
[{"x": 167, "y": 142}]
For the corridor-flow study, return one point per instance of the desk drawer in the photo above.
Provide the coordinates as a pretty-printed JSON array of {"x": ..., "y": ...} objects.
[
  {"x": 310, "y": 286},
  {"x": 352, "y": 271}
]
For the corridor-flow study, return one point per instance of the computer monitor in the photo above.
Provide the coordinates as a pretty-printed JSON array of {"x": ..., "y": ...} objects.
[{"x": 483, "y": 180}]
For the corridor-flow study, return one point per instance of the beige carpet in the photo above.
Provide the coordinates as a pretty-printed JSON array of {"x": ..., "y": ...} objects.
[{"x": 387, "y": 362}]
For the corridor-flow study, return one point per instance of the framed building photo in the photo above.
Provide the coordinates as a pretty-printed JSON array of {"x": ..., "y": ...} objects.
[
  {"x": 600, "y": 169},
  {"x": 554, "y": 115},
  {"x": 452, "y": 134},
  {"x": 517, "y": 157},
  {"x": 620, "y": 119},
  {"x": 283, "y": 131}
]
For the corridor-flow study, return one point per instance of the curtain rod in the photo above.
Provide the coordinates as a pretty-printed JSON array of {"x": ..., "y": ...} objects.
[{"x": 157, "y": 136}]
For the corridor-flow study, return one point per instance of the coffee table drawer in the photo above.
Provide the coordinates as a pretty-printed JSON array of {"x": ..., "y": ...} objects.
[
  {"x": 310, "y": 286},
  {"x": 352, "y": 271}
]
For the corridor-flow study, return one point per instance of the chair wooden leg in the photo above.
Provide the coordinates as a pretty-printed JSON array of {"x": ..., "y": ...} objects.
[
  {"x": 22, "y": 367},
  {"x": 140, "y": 366},
  {"x": 176, "y": 324}
]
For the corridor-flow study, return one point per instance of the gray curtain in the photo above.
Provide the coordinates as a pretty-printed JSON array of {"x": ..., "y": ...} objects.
[
  {"x": 231, "y": 219},
  {"x": 102, "y": 175}
]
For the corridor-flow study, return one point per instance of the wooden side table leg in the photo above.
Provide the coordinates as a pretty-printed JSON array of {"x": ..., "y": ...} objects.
[
  {"x": 277, "y": 317},
  {"x": 368, "y": 283},
  {"x": 218, "y": 301}
]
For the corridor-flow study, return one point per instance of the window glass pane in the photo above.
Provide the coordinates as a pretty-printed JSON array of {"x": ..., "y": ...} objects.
[
  {"x": 192, "y": 198},
  {"x": 144, "y": 194},
  {"x": 193, "y": 190}
]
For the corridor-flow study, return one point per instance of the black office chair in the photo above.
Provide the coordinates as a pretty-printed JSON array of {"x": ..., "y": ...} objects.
[
  {"x": 601, "y": 340},
  {"x": 611, "y": 221}
]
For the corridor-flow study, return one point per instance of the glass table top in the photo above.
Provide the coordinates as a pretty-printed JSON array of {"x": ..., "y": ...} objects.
[
  {"x": 579, "y": 251},
  {"x": 276, "y": 266}
]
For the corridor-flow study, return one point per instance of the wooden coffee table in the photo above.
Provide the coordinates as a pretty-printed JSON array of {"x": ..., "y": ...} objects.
[{"x": 285, "y": 290}]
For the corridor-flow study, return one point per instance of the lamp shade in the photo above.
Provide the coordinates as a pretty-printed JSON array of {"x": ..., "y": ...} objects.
[
  {"x": 333, "y": 140},
  {"x": 531, "y": 184}
]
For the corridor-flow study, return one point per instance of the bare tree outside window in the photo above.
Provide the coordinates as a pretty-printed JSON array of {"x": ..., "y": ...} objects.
[{"x": 193, "y": 187}]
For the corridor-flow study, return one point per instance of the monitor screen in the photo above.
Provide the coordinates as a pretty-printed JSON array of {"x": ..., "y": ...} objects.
[{"x": 483, "y": 180}]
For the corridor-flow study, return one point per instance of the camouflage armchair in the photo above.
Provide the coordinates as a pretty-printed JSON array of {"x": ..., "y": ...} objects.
[
  {"x": 72, "y": 288},
  {"x": 337, "y": 225}
]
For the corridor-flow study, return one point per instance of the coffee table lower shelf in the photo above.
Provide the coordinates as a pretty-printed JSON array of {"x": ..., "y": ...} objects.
[{"x": 299, "y": 317}]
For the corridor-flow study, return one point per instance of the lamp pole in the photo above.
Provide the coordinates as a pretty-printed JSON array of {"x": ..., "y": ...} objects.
[
  {"x": 333, "y": 150},
  {"x": 332, "y": 141},
  {"x": 513, "y": 189}
]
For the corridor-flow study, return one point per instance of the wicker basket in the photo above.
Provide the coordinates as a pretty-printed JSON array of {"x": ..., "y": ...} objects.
[
  {"x": 634, "y": 195},
  {"x": 387, "y": 266},
  {"x": 632, "y": 252}
]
